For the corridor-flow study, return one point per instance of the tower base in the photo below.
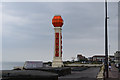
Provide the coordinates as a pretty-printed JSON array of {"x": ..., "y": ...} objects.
[{"x": 57, "y": 62}]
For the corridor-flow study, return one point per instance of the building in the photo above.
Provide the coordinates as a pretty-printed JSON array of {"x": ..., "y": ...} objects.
[
  {"x": 102, "y": 58},
  {"x": 33, "y": 64},
  {"x": 81, "y": 58},
  {"x": 117, "y": 57},
  {"x": 90, "y": 59},
  {"x": 98, "y": 58},
  {"x": 111, "y": 58}
]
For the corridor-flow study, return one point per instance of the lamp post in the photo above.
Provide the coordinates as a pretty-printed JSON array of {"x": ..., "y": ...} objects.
[{"x": 106, "y": 42}]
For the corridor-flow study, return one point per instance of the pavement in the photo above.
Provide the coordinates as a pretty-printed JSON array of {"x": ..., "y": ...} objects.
[
  {"x": 88, "y": 74},
  {"x": 114, "y": 74}
]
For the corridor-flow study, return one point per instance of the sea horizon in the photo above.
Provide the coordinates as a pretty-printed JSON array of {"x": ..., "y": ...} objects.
[{"x": 9, "y": 65}]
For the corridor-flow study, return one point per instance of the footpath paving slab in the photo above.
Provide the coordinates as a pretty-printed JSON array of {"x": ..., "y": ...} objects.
[{"x": 114, "y": 74}]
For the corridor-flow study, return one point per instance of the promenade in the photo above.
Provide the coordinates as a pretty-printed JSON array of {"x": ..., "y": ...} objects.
[
  {"x": 114, "y": 74},
  {"x": 88, "y": 74}
]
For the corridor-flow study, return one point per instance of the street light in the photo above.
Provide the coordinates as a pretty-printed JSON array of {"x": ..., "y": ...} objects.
[{"x": 106, "y": 42}]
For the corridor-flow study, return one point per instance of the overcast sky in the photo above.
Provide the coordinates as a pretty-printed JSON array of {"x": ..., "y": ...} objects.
[{"x": 28, "y": 33}]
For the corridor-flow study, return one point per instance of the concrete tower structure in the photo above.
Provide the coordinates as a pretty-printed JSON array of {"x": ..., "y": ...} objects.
[{"x": 57, "y": 22}]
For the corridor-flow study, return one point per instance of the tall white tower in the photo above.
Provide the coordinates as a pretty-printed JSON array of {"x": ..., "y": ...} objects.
[{"x": 57, "y": 22}]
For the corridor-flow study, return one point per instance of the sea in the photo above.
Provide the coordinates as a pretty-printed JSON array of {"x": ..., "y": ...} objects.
[{"x": 10, "y": 65}]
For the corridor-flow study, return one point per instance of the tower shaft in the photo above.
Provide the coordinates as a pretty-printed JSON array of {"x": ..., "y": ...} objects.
[{"x": 57, "y": 60}]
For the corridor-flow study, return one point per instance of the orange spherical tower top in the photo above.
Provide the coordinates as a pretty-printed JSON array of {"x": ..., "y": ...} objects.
[{"x": 57, "y": 21}]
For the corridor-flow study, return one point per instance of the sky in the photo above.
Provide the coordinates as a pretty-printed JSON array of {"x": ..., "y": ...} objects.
[{"x": 28, "y": 33}]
